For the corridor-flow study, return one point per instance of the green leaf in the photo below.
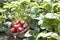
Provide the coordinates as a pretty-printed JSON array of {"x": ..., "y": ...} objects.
[
  {"x": 2, "y": 10},
  {"x": 2, "y": 27},
  {"x": 1, "y": 19},
  {"x": 59, "y": 28},
  {"x": 31, "y": 38},
  {"x": 55, "y": 35},
  {"x": 13, "y": 9},
  {"x": 8, "y": 5},
  {"x": 42, "y": 34},
  {"x": 24, "y": 0},
  {"x": 46, "y": 26},
  {"x": 34, "y": 33},
  {"x": 35, "y": 10},
  {"x": 34, "y": 24},
  {"x": 47, "y": 7},
  {"x": 34, "y": 4}
]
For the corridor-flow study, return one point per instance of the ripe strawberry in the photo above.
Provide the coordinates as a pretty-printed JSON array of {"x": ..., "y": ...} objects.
[
  {"x": 23, "y": 29},
  {"x": 17, "y": 22},
  {"x": 19, "y": 29},
  {"x": 13, "y": 30},
  {"x": 16, "y": 26},
  {"x": 12, "y": 24},
  {"x": 19, "y": 25}
]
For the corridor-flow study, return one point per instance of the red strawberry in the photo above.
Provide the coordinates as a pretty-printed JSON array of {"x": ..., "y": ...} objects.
[
  {"x": 23, "y": 29},
  {"x": 19, "y": 29},
  {"x": 19, "y": 25},
  {"x": 16, "y": 26},
  {"x": 13, "y": 30},
  {"x": 12, "y": 24},
  {"x": 17, "y": 22}
]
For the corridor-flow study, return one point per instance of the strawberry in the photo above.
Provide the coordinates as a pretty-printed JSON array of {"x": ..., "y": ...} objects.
[
  {"x": 23, "y": 29},
  {"x": 16, "y": 26},
  {"x": 19, "y": 29},
  {"x": 17, "y": 22},
  {"x": 13, "y": 30},
  {"x": 12, "y": 24},
  {"x": 19, "y": 25}
]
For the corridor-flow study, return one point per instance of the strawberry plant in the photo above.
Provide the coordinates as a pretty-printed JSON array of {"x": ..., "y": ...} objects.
[{"x": 41, "y": 17}]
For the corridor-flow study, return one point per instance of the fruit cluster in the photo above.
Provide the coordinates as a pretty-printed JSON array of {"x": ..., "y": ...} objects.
[{"x": 19, "y": 26}]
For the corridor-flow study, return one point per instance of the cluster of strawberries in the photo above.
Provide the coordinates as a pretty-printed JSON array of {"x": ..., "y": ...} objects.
[{"x": 19, "y": 26}]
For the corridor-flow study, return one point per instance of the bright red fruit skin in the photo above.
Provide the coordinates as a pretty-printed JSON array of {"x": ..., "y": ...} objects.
[
  {"x": 12, "y": 24},
  {"x": 13, "y": 30},
  {"x": 19, "y": 25},
  {"x": 23, "y": 29},
  {"x": 19, "y": 29},
  {"x": 16, "y": 26}
]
